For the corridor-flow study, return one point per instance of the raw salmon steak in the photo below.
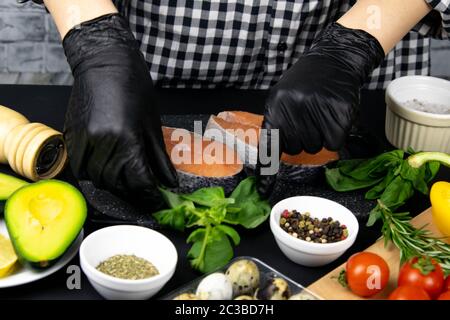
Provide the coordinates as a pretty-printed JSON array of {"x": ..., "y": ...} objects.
[
  {"x": 241, "y": 130},
  {"x": 202, "y": 162}
]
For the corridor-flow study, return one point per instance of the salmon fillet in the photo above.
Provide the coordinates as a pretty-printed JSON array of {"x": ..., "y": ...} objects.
[
  {"x": 191, "y": 153},
  {"x": 246, "y": 120}
]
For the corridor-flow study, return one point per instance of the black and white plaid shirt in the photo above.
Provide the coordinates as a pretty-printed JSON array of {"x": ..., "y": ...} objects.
[{"x": 248, "y": 44}]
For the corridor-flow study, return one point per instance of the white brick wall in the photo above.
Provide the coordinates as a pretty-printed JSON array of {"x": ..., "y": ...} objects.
[{"x": 31, "y": 52}]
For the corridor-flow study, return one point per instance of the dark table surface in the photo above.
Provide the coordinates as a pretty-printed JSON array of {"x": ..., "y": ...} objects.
[{"x": 47, "y": 105}]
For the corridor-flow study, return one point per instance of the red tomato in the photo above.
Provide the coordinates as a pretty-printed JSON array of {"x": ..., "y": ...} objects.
[
  {"x": 447, "y": 284},
  {"x": 444, "y": 296},
  {"x": 423, "y": 273},
  {"x": 367, "y": 274},
  {"x": 409, "y": 293}
]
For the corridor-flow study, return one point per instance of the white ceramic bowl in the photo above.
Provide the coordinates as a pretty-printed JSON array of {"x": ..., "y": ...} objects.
[
  {"x": 307, "y": 253},
  {"x": 124, "y": 239},
  {"x": 407, "y": 127}
]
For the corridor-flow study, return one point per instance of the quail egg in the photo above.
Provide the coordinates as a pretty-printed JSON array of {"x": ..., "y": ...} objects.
[
  {"x": 244, "y": 298},
  {"x": 302, "y": 296},
  {"x": 274, "y": 289},
  {"x": 186, "y": 296},
  {"x": 216, "y": 286},
  {"x": 244, "y": 276}
]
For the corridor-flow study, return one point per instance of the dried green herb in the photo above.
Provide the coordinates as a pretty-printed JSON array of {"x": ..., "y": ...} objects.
[{"x": 128, "y": 267}]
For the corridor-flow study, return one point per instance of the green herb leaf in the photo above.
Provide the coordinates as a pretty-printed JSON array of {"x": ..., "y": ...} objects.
[
  {"x": 172, "y": 199},
  {"x": 196, "y": 235},
  {"x": 174, "y": 218},
  {"x": 229, "y": 231},
  {"x": 375, "y": 167},
  {"x": 217, "y": 214},
  {"x": 342, "y": 183},
  {"x": 209, "y": 197},
  {"x": 397, "y": 192},
  {"x": 212, "y": 252},
  {"x": 359, "y": 174},
  {"x": 249, "y": 210},
  {"x": 374, "y": 216},
  {"x": 378, "y": 190},
  {"x": 342, "y": 278}
]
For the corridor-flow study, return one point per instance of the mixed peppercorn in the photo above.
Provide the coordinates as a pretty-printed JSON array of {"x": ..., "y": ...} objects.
[{"x": 304, "y": 227}]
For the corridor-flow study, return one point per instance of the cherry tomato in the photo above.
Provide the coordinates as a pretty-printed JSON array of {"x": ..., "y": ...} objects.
[
  {"x": 367, "y": 274},
  {"x": 447, "y": 284},
  {"x": 423, "y": 273},
  {"x": 409, "y": 293},
  {"x": 444, "y": 296}
]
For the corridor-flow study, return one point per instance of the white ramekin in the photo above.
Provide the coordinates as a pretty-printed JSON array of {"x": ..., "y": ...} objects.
[
  {"x": 406, "y": 127},
  {"x": 308, "y": 253},
  {"x": 140, "y": 241}
]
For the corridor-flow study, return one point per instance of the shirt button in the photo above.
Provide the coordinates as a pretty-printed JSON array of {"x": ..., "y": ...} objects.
[{"x": 282, "y": 46}]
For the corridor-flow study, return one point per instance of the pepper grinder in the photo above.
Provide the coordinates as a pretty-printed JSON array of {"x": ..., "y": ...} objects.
[{"x": 33, "y": 150}]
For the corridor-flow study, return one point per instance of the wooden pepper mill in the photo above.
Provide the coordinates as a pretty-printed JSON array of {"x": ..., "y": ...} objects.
[{"x": 33, "y": 150}]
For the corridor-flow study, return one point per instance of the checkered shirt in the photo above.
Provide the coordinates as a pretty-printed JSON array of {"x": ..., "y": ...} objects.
[{"x": 248, "y": 44}]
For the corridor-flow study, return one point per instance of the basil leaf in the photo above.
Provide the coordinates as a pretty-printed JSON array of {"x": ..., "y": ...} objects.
[
  {"x": 397, "y": 192},
  {"x": 374, "y": 167},
  {"x": 342, "y": 183},
  {"x": 209, "y": 197},
  {"x": 172, "y": 199},
  {"x": 217, "y": 214},
  {"x": 217, "y": 251},
  {"x": 374, "y": 216},
  {"x": 248, "y": 210},
  {"x": 378, "y": 190},
  {"x": 229, "y": 231},
  {"x": 431, "y": 170},
  {"x": 196, "y": 235},
  {"x": 246, "y": 190},
  {"x": 174, "y": 218}
]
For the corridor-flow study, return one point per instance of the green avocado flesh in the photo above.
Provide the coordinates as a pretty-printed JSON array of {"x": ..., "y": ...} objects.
[
  {"x": 9, "y": 184},
  {"x": 43, "y": 219}
]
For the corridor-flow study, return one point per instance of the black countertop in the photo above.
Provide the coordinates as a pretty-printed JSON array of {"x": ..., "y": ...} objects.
[{"x": 47, "y": 104}]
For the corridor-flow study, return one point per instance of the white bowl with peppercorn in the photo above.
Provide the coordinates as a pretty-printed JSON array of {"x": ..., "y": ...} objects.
[
  {"x": 313, "y": 231},
  {"x": 128, "y": 262}
]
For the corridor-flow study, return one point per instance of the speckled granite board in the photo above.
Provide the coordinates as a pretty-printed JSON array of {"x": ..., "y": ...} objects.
[{"x": 110, "y": 207}]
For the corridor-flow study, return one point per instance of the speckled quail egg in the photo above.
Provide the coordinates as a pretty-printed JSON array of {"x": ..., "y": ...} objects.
[
  {"x": 302, "y": 296},
  {"x": 244, "y": 298},
  {"x": 274, "y": 289},
  {"x": 244, "y": 276},
  {"x": 216, "y": 286},
  {"x": 186, "y": 296}
]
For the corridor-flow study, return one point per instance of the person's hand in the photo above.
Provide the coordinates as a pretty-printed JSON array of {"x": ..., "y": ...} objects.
[
  {"x": 113, "y": 127},
  {"x": 314, "y": 103}
]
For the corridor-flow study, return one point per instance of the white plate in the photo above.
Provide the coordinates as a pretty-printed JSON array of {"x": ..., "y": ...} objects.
[{"x": 26, "y": 274}]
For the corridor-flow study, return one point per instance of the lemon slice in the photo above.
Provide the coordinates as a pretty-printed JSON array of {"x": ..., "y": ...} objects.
[{"x": 8, "y": 257}]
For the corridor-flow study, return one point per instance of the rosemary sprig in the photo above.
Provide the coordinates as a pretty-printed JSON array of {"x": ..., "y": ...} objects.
[{"x": 412, "y": 242}]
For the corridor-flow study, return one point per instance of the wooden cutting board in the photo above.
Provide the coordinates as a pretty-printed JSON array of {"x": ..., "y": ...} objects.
[{"x": 329, "y": 288}]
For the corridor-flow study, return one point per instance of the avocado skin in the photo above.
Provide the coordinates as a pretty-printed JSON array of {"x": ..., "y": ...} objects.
[{"x": 40, "y": 265}]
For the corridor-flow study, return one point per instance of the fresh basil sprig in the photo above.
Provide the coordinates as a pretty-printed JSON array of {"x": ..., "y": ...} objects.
[
  {"x": 391, "y": 179},
  {"x": 211, "y": 216}
]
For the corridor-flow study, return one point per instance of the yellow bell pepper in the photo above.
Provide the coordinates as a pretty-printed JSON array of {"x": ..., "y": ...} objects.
[{"x": 440, "y": 202}]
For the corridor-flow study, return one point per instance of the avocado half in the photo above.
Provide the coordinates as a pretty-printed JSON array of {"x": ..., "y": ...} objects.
[
  {"x": 8, "y": 185},
  {"x": 43, "y": 219}
]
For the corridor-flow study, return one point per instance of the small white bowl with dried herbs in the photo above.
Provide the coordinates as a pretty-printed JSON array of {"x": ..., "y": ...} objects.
[{"x": 128, "y": 262}]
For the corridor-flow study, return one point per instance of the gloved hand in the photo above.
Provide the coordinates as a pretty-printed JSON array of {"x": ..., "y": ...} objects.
[
  {"x": 314, "y": 103},
  {"x": 113, "y": 127}
]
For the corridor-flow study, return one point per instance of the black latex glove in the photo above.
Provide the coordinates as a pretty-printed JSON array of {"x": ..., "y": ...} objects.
[
  {"x": 113, "y": 127},
  {"x": 314, "y": 103}
]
